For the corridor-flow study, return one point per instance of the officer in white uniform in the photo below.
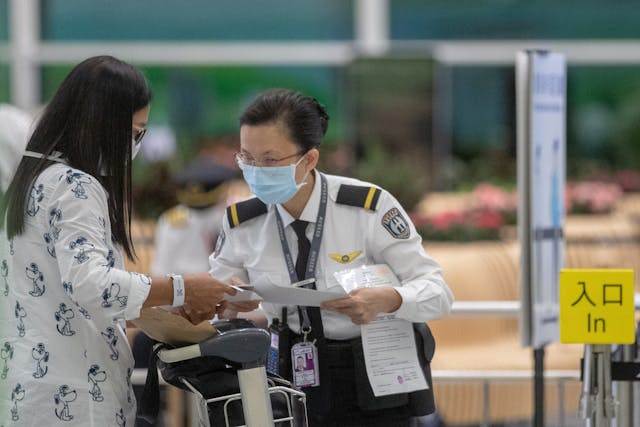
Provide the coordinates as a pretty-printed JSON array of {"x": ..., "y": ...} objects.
[
  {"x": 187, "y": 233},
  {"x": 349, "y": 223},
  {"x": 363, "y": 225}
]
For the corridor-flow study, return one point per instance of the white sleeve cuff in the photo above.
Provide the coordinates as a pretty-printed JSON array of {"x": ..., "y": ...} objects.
[
  {"x": 138, "y": 294},
  {"x": 409, "y": 297}
]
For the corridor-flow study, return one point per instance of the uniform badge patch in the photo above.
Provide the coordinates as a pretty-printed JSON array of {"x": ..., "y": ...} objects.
[
  {"x": 346, "y": 258},
  {"x": 395, "y": 224},
  {"x": 219, "y": 244}
]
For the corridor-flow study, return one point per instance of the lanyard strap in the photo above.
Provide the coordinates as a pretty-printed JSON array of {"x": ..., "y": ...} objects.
[
  {"x": 55, "y": 156},
  {"x": 305, "y": 322},
  {"x": 315, "y": 242}
]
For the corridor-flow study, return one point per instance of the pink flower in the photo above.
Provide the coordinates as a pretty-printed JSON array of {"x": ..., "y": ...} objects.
[
  {"x": 491, "y": 197},
  {"x": 486, "y": 219},
  {"x": 628, "y": 179},
  {"x": 593, "y": 196},
  {"x": 445, "y": 220}
]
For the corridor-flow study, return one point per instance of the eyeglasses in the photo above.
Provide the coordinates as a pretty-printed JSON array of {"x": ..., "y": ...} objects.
[
  {"x": 140, "y": 134},
  {"x": 242, "y": 158}
]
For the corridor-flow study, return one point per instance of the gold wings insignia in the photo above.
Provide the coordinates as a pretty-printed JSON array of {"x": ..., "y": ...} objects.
[{"x": 345, "y": 259}]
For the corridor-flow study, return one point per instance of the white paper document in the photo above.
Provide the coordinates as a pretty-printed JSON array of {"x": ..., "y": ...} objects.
[
  {"x": 269, "y": 292},
  {"x": 390, "y": 356},
  {"x": 296, "y": 296},
  {"x": 243, "y": 295}
]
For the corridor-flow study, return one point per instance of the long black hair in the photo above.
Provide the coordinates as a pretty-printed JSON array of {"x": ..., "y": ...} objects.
[
  {"x": 89, "y": 122},
  {"x": 305, "y": 118}
]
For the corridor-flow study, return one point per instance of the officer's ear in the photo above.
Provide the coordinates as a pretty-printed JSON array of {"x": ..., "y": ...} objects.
[{"x": 310, "y": 159}]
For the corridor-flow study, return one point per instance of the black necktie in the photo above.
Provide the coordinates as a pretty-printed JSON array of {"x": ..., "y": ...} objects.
[{"x": 304, "y": 247}]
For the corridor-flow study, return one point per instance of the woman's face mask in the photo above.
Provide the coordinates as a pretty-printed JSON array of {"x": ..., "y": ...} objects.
[
  {"x": 272, "y": 184},
  {"x": 135, "y": 148}
]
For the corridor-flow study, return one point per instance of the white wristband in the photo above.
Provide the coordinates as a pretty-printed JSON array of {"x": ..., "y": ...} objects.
[{"x": 178, "y": 290}]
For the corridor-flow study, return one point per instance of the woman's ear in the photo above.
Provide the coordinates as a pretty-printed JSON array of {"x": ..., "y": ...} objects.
[{"x": 311, "y": 158}]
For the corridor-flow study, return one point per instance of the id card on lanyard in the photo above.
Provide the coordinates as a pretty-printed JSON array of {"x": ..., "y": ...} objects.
[
  {"x": 304, "y": 356},
  {"x": 306, "y": 371}
]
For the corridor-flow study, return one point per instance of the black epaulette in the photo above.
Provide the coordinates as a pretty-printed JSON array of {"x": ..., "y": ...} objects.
[
  {"x": 244, "y": 211},
  {"x": 361, "y": 196}
]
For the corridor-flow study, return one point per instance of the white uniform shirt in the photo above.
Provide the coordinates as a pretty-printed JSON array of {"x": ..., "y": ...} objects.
[
  {"x": 252, "y": 252},
  {"x": 185, "y": 237},
  {"x": 65, "y": 358}
]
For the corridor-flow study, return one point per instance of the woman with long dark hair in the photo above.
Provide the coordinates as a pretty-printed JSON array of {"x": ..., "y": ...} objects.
[{"x": 66, "y": 218}]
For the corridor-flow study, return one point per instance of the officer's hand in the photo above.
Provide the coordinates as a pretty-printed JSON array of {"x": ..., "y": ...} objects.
[
  {"x": 203, "y": 293},
  {"x": 363, "y": 305}
]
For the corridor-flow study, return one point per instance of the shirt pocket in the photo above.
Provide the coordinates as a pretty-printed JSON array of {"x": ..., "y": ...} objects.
[{"x": 336, "y": 262}]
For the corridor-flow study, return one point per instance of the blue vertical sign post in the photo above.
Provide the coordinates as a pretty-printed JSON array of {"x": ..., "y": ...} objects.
[{"x": 541, "y": 137}]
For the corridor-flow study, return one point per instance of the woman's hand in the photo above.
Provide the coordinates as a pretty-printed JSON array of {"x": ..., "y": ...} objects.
[
  {"x": 203, "y": 294},
  {"x": 230, "y": 309},
  {"x": 242, "y": 306},
  {"x": 191, "y": 315},
  {"x": 363, "y": 305}
]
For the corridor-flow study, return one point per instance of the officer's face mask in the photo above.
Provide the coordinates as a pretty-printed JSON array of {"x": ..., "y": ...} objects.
[{"x": 272, "y": 184}]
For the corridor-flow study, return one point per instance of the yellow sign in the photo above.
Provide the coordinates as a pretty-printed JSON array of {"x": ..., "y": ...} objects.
[{"x": 596, "y": 306}]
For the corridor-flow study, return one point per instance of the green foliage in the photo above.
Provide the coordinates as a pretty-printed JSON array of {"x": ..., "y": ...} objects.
[
  {"x": 404, "y": 174},
  {"x": 392, "y": 105},
  {"x": 627, "y": 139},
  {"x": 4, "y": 83}
]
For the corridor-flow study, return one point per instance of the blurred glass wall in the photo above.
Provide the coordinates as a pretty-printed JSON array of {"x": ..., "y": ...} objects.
[
  {"x": 381, "y": 108},
  {"x": 4, "y": 36}
]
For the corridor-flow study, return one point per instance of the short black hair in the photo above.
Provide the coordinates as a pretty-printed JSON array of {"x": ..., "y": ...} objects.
[
  {"x": 305, "y": 118},
  {"x": 88, "y": 120}
]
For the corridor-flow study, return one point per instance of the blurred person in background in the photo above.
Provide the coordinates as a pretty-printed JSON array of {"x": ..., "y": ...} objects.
[
  {"x": 14, "y": 133},
  {"x": 326, "y": 224},
  {"x": 186, "y": 234},
  {"x": 68, "y": 220}
]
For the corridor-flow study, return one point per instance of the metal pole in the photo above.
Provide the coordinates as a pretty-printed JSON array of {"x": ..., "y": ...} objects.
[
  {"x": 486, "y": 405},
  {"x": 635, "y": 408},
  {"x": 24, "y": 42},
  {"x": 372, "y": 26},
  {"x": 609, "y": 402},
  {"x": 561, "y": 415},
  {"x": 624, "y": 393},
  {"x": 598, "y": 410},
  {"x": 256, "y": 402},
  {"x": 586, "y": 401},
  {"x": 538, "y": 416}
]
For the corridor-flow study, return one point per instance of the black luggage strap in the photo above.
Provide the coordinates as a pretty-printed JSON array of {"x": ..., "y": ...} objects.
[{"x": 149, "y": 405}]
